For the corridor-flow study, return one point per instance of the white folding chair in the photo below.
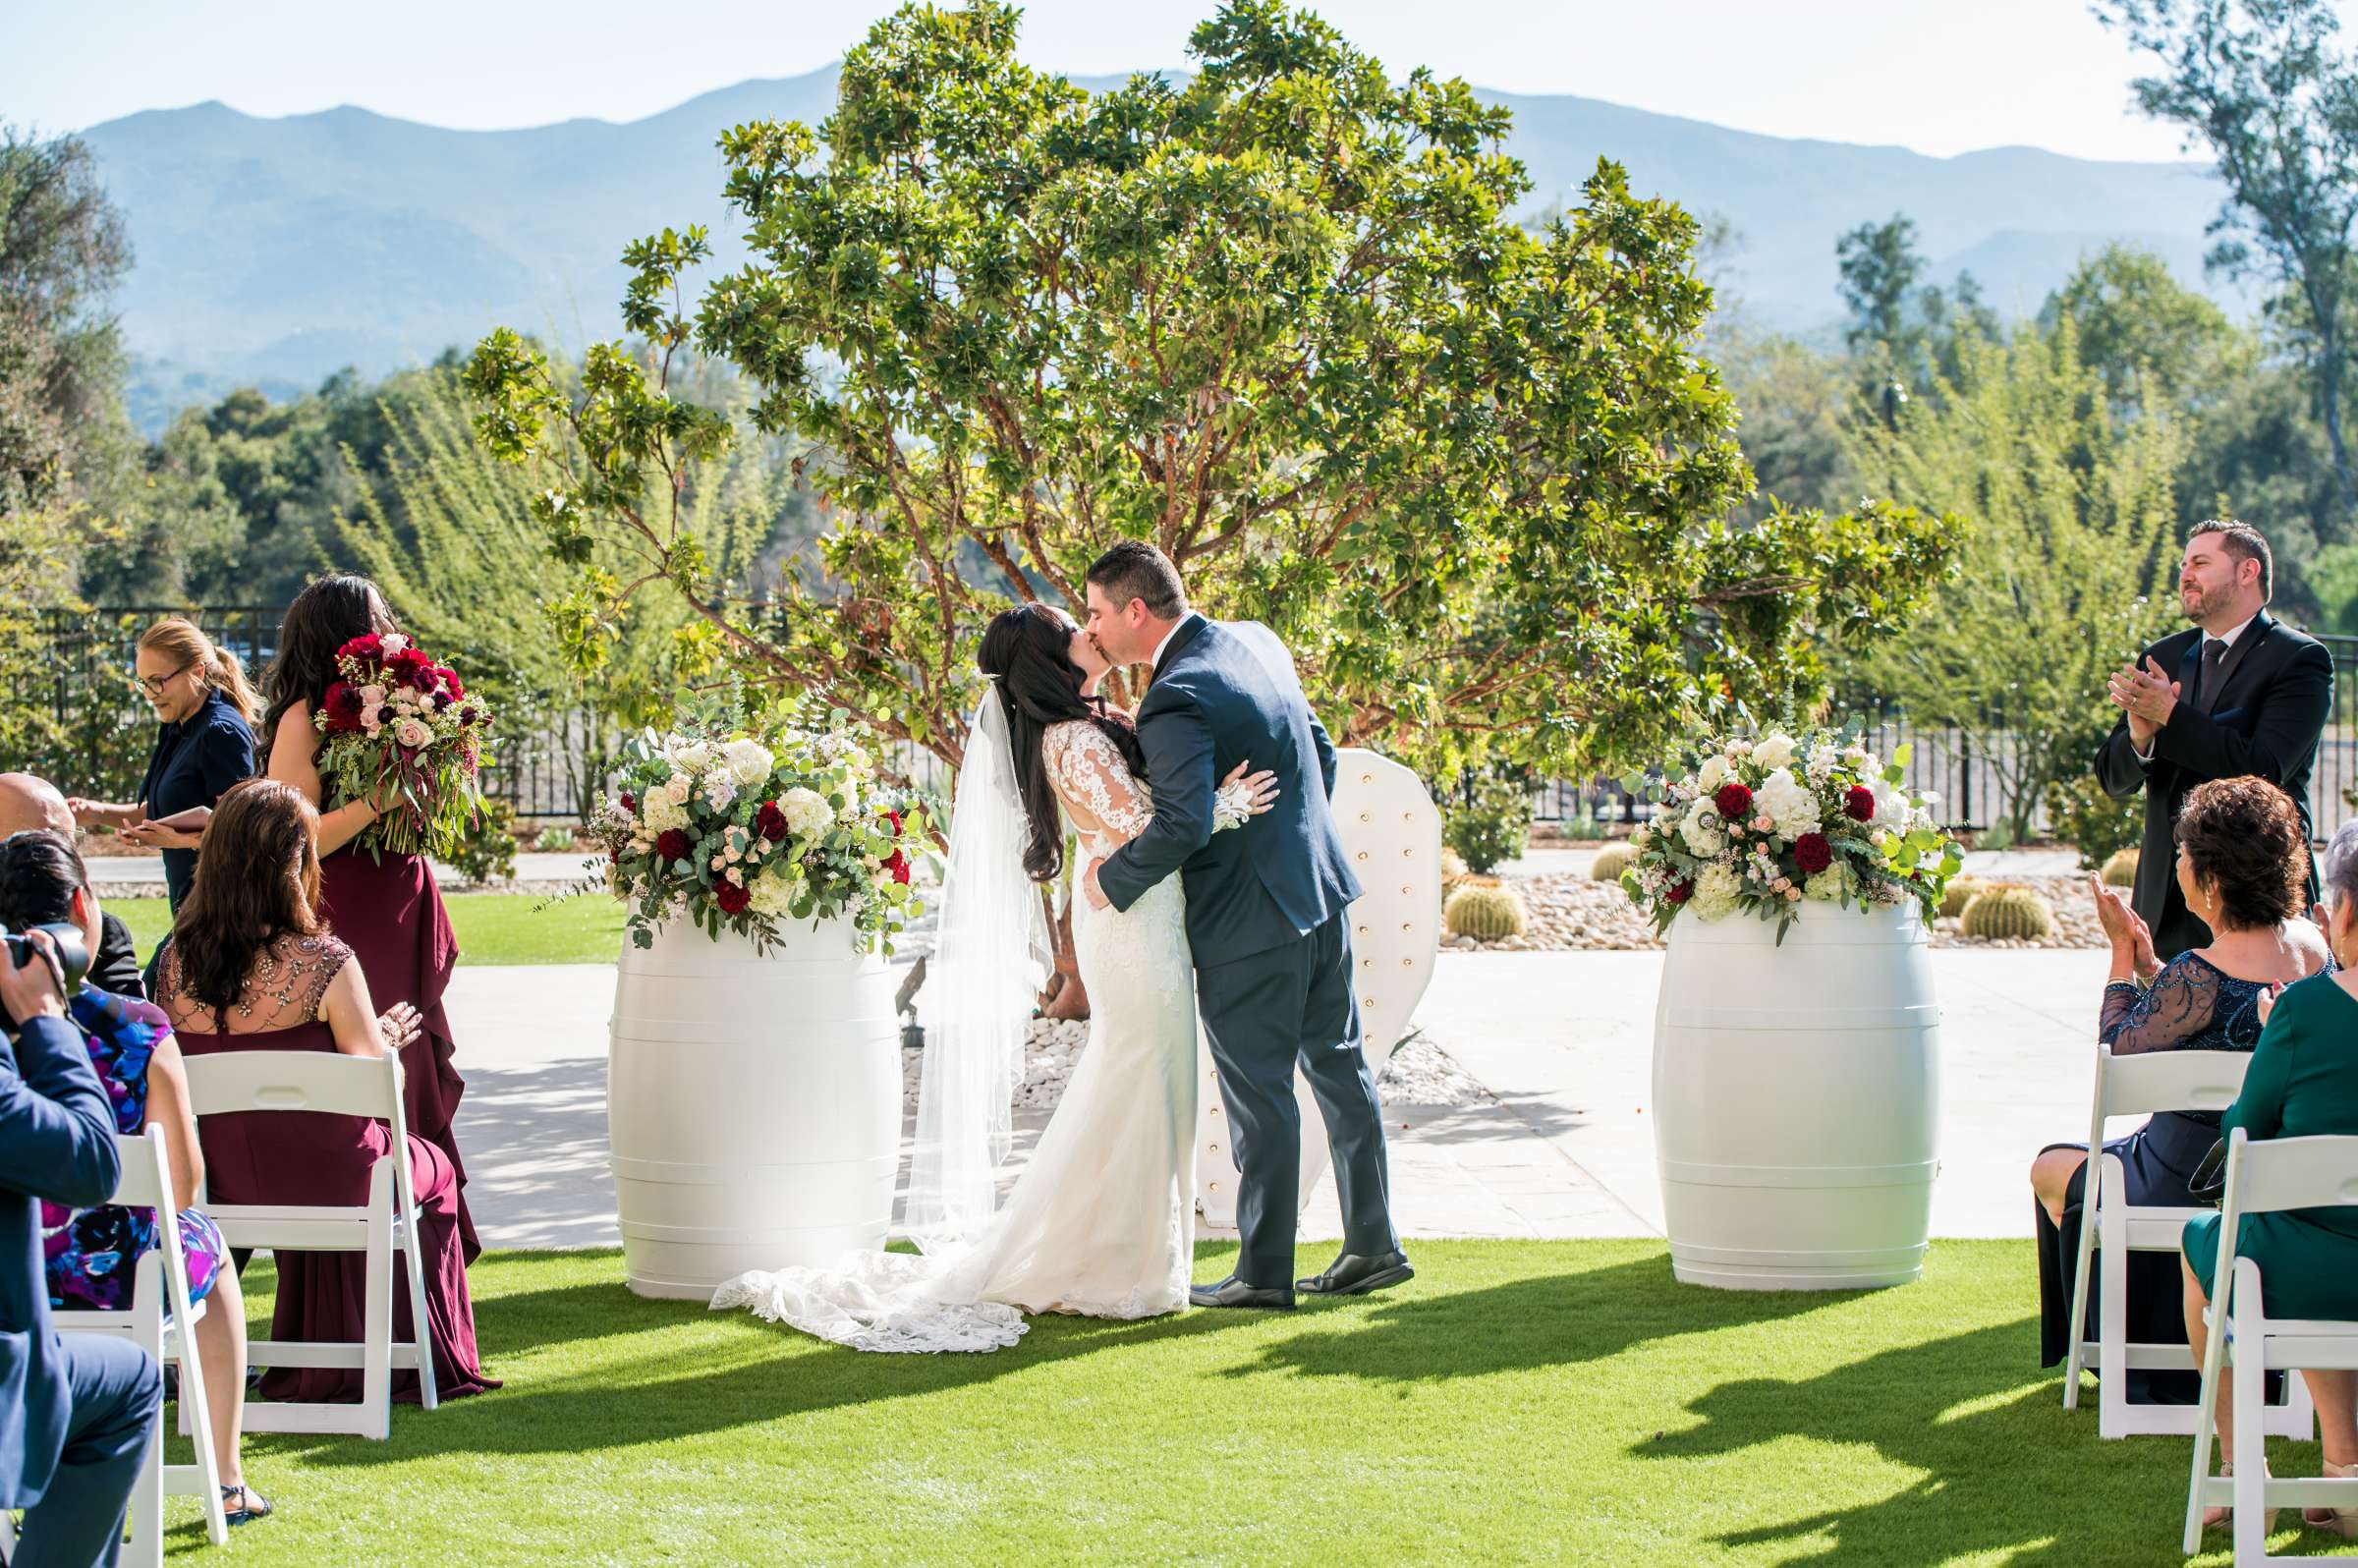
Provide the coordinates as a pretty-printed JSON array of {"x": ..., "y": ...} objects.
[
  {"x": 2266, "y": 1176},
  {"x": 2139, "y": 1085},
  {"x": 384, "y": 1224},
  {"x": 162, "y": 1321}
]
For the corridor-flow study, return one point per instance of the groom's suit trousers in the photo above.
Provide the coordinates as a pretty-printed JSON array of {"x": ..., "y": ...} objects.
[{"x": 1265, "y": 1013}]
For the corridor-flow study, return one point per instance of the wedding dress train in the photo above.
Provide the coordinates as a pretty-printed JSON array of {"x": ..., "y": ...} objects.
[{"x": 1102, "y": 1222}]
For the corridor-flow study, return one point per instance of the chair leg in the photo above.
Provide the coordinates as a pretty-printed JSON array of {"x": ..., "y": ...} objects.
[
  {"x": 198, "y": 1411},
  {"x": 376, "y": 1353},
  {"x": 2112, "y": 1319},
  {"x": 146, "y": 1512},
  {"x": 2247, "y": 1387}
]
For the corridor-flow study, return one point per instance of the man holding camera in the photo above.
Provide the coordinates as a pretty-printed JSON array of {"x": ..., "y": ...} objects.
[
  {"x": 75, "y": 1415},
  {"x": 28, "y": 803}
]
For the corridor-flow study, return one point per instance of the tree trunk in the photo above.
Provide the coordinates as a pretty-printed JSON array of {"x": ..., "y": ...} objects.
[{"x": 1064, "y": 997}]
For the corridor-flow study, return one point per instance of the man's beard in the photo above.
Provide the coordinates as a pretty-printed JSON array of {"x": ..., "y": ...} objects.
[{"x": 2210, "y": 603}]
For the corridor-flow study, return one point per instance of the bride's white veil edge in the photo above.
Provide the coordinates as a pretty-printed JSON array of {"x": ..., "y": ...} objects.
[{"x": 990, "y": 960}]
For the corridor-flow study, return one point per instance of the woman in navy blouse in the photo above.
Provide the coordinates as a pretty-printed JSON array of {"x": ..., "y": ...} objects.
[{"x": 205, "y": 745}]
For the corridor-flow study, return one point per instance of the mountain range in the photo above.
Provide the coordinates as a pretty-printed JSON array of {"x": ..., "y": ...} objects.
[{"x": 275, "y": 251}]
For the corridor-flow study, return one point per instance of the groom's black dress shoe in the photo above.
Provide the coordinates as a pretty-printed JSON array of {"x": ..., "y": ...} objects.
[
  {"x": 1234, "y": 1292},
  {"x": 1354, "y": 1275}
]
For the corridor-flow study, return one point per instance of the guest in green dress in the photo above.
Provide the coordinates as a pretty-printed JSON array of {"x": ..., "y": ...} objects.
[{"x": 2303, "y": 1081}]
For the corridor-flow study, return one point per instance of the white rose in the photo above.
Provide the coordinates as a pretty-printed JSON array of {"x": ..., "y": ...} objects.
[
  {"x": 679, "y": 787},
  {"x": 749, "y": 761},
  {"x": 373, "y": 696},
  {"x": 412, "y": 734},
  {"x": 692, "y": 757},
  {"x": 393, "y": 643},
  {"x": 1714, "y": 774},
  {"x": 1792, "y": 805},
  {"x": 1774, "y": 751},
  {"x": 1891, "y": 806},
  {"x": 1717, "y": 892}
]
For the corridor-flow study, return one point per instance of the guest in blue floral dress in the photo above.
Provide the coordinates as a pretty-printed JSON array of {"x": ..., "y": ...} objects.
[
  {"x": 2243, "y": 866},
  {"x": 91, "y": 1256}
]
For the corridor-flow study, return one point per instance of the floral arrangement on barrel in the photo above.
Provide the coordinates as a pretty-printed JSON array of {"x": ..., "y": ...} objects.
[
  {"x": 1762, "y": 826},
  {"x": 740, "y": 831},
  {"x": 399, "y": 729}
]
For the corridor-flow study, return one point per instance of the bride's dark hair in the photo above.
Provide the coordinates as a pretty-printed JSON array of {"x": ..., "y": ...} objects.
[{"x": 1027, "y": 653}]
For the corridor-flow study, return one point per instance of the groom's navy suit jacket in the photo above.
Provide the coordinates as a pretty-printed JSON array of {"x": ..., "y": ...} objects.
[
  {"x": 57, "y": 1141},
  {"x": 1225, "y": 693}
]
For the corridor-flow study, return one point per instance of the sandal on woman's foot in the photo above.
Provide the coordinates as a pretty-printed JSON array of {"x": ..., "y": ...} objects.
[
  {"x": 252, "y": 1505},
  {"x": 2344, "y": 1522},
  {"x": 2213, "y": 1518}
]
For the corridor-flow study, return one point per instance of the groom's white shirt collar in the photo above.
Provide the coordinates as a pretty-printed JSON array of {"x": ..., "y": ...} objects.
[{"x": 1155, "y": 664}]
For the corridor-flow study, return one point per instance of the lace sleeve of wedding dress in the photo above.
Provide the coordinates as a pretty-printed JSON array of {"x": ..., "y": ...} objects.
[
  {"x": 987, "y": 969},
  {"x": 1097, "y": 786}
]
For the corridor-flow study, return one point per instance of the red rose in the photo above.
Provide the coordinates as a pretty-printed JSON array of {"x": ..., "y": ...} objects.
[
  {"x": 1812, "y": 854},
  {"x": 898, "y": 865},
  {"x": 630, "y": 802},
  {"x": 1680, "y": 892},
  {"x": 732, "y": 899},
  {"x": 367, "y": 648},
  {"x": 672, "y": 844},
  {"x": 770, "y": 821},
  {"x": 1859, "y": 804},
  {"x": 343, "y": 705},
  {"x": 1733, "y": 802}
]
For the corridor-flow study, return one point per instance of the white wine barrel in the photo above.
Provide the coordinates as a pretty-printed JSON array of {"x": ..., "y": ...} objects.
[
  {"x": 1797, "y": 1097},
  {"x": 753, "y": 1104}
]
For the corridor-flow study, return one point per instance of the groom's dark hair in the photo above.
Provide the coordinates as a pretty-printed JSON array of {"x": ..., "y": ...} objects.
[{"x": 1136, "y": 570}]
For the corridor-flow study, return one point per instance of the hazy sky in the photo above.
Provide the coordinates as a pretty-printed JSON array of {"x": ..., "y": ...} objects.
[{"x": 1938, "y": 76}]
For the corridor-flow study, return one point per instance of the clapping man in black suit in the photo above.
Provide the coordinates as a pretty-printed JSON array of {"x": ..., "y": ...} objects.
[{"x": 2239, "y": 694}]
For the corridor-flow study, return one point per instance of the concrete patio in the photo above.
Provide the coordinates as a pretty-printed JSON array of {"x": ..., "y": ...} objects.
[{"x": 1562, "y": 1041}]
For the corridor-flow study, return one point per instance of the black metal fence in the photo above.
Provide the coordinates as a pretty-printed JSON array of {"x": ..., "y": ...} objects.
[{"x": 552, "y": 770}]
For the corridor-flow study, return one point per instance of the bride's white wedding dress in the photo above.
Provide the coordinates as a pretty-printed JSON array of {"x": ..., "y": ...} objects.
[{"x": 1102, "y": 1222}]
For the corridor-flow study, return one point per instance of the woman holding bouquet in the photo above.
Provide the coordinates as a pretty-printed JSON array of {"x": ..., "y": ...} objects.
[{"x": 381, "y": 904}]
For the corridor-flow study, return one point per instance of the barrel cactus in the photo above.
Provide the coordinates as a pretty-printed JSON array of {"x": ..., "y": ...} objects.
[
  {"x": 1486, "y": 914},
  {"x": 2120, "y": 870},
  {"x": 1961, "y": 891},
  {"x": 1610, "y": 862},
  {"x": 2003, "y": 913}
]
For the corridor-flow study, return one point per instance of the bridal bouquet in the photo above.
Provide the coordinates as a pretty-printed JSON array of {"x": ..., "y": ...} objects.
[
  {"x": 401, "y": 730},
  {"x": 1758, "y": 826},
  {"x": 741, "y": 831}
]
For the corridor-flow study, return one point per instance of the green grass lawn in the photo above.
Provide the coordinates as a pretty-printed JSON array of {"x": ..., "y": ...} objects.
[
  {"x": 492, "y": 928},
  {"x": 1520, "y": 1402}
]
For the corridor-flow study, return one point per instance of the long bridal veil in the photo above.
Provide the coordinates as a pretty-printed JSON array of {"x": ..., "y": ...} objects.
[{"x": 990, "y": 959}]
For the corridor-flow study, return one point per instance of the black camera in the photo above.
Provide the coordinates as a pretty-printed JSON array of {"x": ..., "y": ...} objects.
[{"x": 73, "y": 958}]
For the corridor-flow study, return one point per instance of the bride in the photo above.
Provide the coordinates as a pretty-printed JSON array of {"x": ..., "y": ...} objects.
[{"x": 1102, "y": 1222}]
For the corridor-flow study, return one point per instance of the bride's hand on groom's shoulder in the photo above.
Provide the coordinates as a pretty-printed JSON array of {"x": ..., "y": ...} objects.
[{"x": 1090, "y": 888}]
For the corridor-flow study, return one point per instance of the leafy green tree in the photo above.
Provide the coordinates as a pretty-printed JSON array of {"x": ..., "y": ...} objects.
[
  {"x": 2071, "y": 533},
  {"x": 448, "y": 532},
  {"x": 2142, "y": 331},
  {"x": 1792, "y": 400},
  {"x": 1879, "y": 268},
  {"x": 62, "y": 250},
  {"x": 2264, "y": 88},
  {"x": 1277, "y": 320}
]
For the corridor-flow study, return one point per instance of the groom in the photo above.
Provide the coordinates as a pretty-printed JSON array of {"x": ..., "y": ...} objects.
[{"x": 1266, "y": 919}]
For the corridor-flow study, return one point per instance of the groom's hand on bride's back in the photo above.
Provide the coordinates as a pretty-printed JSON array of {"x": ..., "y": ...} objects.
[{"x": 1090, "y": 888}]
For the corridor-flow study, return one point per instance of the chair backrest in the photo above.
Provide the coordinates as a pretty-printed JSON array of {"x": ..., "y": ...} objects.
[
  {"x": 2269, "y": 1174},
  {"x": 295, "y": 1081},
  {"x": 2146, "y": 1082},
  {"x": 146, "y": 1179}
]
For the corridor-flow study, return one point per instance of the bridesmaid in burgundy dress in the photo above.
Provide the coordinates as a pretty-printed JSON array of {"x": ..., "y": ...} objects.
[
  {"x": 384, "y": 907},
  {"x": 251, "y": 968}
]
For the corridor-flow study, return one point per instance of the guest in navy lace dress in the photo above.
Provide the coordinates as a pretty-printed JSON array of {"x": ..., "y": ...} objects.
[
  {"x": 90, "y": 1256},
  {"x": 2243, "y": 866}
]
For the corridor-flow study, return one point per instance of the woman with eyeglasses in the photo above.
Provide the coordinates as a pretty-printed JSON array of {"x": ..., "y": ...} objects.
[{"x": 204, "y": 744}]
